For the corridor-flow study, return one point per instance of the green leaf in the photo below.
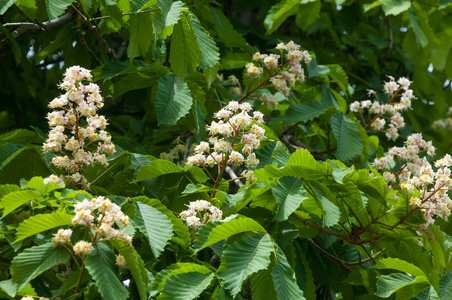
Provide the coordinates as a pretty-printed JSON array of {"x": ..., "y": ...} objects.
[
  {"x": 185, "y": 54},
  {"x": 173, "y": 100},
  {"x": 395, "y": 7},
  {"x": 56, "y": 8},
  {"x": 279, "y": 13},
  {"x": 399, "y": 265},
  {"x": 389, "y": 284},
  {"x": 16, "y": 199},
  {"x": 243, "y": 258},
  {"x": 306, "y": 111},
  {"x": 262, "y": 286},
  {"x": 5, "y": 4},
  {"x": 158, "y": 284},
  {"x": 155, "y": 225},
  {"x": 172, "y": 14},
  {"x": 141, "y": 36},
  {"x": 288, "y": 194},
  {"x": 24, "y": 163},
  {"x": 35, "y": 260},
  {"x": 157, "y": 168},
  {"x": 9, "y": 286},
  {"x": 64, "y": 36},
  {"x": 349, "y": 142},
  {"x": 222, "y": 230},
  {"x": 135, "y": 264},
  {"x": 187, "y": 286},
  {"x": 307, "y": 14},
  {"x": 42, "y": 222},
  {"x": 437, "y": 246},
  {"x": 284, "y": 280},
  {"x": 339, "y": 76},
  {"x": 101, "y": 265},
  {"x": 275, "y": 153},
  {"x": 301, "y": 164},
  {"x": 421, "y": 38},
  {"x": 315, "y": 70},
  {"x": 179, "y": 226},
  {"x": 209, "y": 49},
  {"x": 19, "y": 136}
]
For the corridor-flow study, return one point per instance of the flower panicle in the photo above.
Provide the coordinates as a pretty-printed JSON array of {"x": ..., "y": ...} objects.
[
  {"x": 200, "y": 212},
  {"x": 76, "y": 125},
  {"x": 388, "y": 118}
]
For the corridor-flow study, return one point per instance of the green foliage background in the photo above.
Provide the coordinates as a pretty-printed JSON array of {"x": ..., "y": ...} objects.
[{"x": 157, "y": 62}]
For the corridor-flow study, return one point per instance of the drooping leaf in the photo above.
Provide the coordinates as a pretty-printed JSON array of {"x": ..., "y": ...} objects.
[
  {"x": 349, "y": 142},
  {"x": 173, "y": 100},
  {"x": 185, "y": 54},
  {"x": 279, "y": 13},
  {"x": 187, "y": 286},
  {"x": 56, "y": 8},
  {"x": 157, "y": 168},
  {"x": 35, "y": 260},
  {"x": 5, "y": 4},
  {"x": 243, "y": 258},
  {"x": 140, "y": 35},
  {"x": 307, "y": 14},
  {"x": 100, "y": 264},
  {"x": 135, "y": 264},
  {"x": 229, "y": 228},
  {"x": 389, "y": 284},
  {"x": 284, "y": 280},
  {"x": 339, "y": 76},
  {"x": 16, "y": 199},
  {"x": 421, "y": 38},
  {"x": 288, "y": 194},
  {"x": 155, "y": 225},
  {"x": 9, "y": 286},
  {"x": 399, "y": 265},
  {"x": 275, "y": 153},
  {"x": 306, "y": 111},
  {"x": 19, "y": 136},
  {"x": 24, "y": 163},
  {"x": 262, "y": 286},
  {"x": 179, "y": 226},
  {"x": 395, "y": 7},
  {"x": 42, "y": 222},
  {"x": 172, "y": 13},
  {"x": 209, "y": 50},
  {"x": 163, "y": 276}
]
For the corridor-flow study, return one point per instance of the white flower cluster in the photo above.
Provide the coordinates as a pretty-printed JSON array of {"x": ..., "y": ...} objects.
[
  {"x": 120, "y": 261},
  {"x": 99, "y": 215},
  {"x": 431, "y": 189},
  {"x": 76, "y": 112},
  {"x": 31, "y": 298},
  {"x": 426, "y": 187},
  {"x": 410, "y": 164},
  {"x": 284, "y": 69},
  {"x": 444, "y": 123},
  {"x": 387, "y": 113},
  {"x": 177, "y": 153},
  {"x": 200, "y": 212},
  {"x": 235, "y": 124}
]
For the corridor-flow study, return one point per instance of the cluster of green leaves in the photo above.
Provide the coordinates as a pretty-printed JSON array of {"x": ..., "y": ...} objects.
[{"x": 315, "y": 225}]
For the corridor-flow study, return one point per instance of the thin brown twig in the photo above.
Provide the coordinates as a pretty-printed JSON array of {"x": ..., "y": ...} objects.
[
  {"x": 24, "y": 15},
  {"x": 103, "y": 42},
  {"x": 84, "y": 44}
]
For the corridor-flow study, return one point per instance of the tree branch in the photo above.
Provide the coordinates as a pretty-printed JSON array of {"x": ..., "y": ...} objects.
[
  {"x": 24, "y": 26},
  {"x": 233, "y": 176}
]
